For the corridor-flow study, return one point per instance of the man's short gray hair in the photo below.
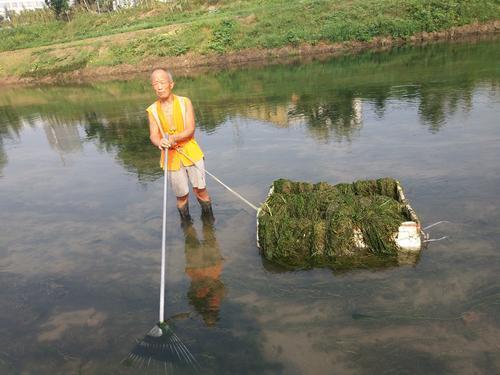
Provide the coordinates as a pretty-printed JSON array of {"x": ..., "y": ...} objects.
[{"x": 167, "y": 72}]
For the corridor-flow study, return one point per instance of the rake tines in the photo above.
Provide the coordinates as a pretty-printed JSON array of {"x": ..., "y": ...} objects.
[{"x": 163, "y": 349}]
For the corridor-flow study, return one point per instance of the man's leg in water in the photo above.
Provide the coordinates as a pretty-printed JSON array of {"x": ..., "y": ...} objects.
[
  {"x": 179, "y": 183},
  {"x": 196, "y": 174}
]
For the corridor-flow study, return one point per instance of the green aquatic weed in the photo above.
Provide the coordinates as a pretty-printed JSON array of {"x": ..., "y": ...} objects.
[{"x": 321, "y": 224}]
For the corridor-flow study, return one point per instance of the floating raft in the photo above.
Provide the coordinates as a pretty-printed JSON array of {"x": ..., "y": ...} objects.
[{"x": 349, "y": 225}]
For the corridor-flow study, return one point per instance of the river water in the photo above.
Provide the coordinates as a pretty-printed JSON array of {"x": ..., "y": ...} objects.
[{"x": 80, "y": 219}]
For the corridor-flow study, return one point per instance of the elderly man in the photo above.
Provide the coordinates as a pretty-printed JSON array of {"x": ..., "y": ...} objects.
[{"x": 171, "y": 128}]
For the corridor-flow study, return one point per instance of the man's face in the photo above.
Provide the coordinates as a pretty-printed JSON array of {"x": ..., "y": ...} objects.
[{"x": 162, "y": 84}]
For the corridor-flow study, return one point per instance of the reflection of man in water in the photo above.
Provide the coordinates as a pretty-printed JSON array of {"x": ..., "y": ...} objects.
[{"x": 204, "y": 268}]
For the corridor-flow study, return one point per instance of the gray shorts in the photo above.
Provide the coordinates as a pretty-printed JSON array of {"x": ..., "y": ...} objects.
[{"x": 179, "y": 179}]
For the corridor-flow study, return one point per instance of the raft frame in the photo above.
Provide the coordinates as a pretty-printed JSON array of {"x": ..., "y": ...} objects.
[{"x": 401, "y": 198}]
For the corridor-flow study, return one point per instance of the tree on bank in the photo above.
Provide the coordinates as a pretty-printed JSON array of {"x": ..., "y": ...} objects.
[{"x": 59, "y": 7}]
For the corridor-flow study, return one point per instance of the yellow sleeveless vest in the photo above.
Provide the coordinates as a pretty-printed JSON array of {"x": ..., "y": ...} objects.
[{"x": 188, "y": 146}]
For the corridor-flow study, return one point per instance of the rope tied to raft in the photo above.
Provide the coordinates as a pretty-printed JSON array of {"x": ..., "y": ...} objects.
[
  {"x": 238, "y": 195},
  {"x": 435, "y": 239},
  {"x": 436, "y": 223},
  {"x": 426, "y": 235}
]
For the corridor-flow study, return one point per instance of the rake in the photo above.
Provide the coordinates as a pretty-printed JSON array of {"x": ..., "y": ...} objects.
[{"x": 161, "y": 347}]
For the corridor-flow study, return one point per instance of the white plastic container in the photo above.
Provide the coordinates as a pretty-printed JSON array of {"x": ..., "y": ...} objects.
[{"x": 408, "y": 237}]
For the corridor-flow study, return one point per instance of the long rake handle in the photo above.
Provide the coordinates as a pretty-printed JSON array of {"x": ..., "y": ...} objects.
[
  {"x": 163, "y": 243},
  {"x": 163, "y": 232}
]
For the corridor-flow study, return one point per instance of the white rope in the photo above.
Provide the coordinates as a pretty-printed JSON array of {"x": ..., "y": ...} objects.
[
  {"x": 216, "y": 179},
  {"x": 433, "y": 225},
  {"x": 207, "y": 172},
  {"x": 436, "y": 239},
  {"x": 426, "y": 235}
]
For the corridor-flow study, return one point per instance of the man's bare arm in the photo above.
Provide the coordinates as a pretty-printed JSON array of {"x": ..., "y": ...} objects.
[{"x": 154, "y": 133}]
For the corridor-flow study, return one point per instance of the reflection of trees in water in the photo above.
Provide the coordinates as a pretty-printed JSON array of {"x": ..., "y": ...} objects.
[
  {"x": 325, "y": 97},
  {"x": 431, "y": 110},
  {"x": 3, "y": 157},
  {"x": 128, "y": 137},
  {"x": 209, "y": 117},
  {"x": 437, "y": 103},
  {"x": 11, "y": 121},
  {"x": 62, "y": 137},
  {"x": 10, "y": 127},
  {"x": 327, "y": 114},
  {"x": 378, "y": 97},
  {"x": 126, "y": 134},
  {"x": 337, "y": 117},
  {"x": 338, "y": 114}
]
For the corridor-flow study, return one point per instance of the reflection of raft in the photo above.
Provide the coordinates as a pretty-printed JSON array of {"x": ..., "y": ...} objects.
[{"x": 365, "y": 223}]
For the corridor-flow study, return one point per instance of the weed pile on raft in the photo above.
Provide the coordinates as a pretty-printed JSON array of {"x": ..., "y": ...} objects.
[{"x": 304, "y": 225}]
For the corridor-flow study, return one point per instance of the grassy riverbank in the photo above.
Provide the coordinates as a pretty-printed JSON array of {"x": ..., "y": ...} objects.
[{"x": 183, "y": 32}]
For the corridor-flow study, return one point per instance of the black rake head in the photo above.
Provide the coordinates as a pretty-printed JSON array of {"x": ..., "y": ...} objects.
[{"x": 161, "y": 348}]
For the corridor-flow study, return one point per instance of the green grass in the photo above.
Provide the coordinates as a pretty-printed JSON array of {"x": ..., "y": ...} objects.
[
  {"x": 218, "y": 27},
  {"x": 303, "y": 225},
  {"x": 157, "y": 45},
  {"x": 48, "y": 64}
]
